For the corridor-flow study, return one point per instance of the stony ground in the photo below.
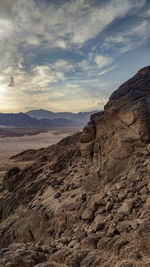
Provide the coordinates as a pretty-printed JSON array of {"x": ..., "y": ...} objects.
[{"x": 86, "y": 200}]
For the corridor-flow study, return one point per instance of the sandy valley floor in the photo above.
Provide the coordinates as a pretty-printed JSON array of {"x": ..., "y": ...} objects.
[{"x": 12, "y": 145}]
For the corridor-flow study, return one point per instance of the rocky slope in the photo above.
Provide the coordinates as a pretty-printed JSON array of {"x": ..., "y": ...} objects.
[{"x": 86, "y": 200}]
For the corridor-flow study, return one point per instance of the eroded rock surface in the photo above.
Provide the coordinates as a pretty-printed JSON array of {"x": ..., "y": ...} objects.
[{"x": 86, "y": 200}]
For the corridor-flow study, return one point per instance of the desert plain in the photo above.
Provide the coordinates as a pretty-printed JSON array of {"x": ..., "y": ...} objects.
[{"x": 14, "y": 141}]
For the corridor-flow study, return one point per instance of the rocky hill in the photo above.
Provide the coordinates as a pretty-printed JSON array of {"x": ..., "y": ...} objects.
[{"x": 86, "y": 200}]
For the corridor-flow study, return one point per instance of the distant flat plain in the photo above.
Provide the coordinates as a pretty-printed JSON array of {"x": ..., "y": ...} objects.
[{"x": 14, "y": 141}]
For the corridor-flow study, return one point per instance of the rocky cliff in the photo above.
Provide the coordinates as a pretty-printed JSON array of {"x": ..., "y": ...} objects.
[{"x": 86, "y": 200}]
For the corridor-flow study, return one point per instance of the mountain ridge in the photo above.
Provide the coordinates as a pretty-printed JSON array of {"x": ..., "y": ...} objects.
[
  {"x": 31, "y": 119},
  {"x": 80, "y": 118},
  {"x": 24, "y": 121}
]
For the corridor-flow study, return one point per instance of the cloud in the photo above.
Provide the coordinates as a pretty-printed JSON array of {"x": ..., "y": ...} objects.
[
  {"x": 55, "y": 53},
  {"x": 107, "y": 70},
  {"x": 103, "y": 61},
  {"x": 39, "y": 79},
  {"x": 125, "y": 39},
  {"x": 101, "y": 102},
  {"x": 63, "y": 65}
]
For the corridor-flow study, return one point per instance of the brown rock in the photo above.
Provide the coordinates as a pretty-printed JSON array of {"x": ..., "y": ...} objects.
[
  {"x": 144, "y": 190},
  {"x": 57, "y": 195},
  {"x": 109, "y": 206},
  {"x": 123, "y": 226},
  {"x": 126, "y": 207},
  {"x": 147, "y": 204},
  {"x": 87, "y": 214},
  {"x": 89, "y": 242},
  {"x": 148, "y": 147},
  {"x": 103, "y": 242},
  {"x": 94, "y": 206},
  {"x": 148, "y": 186},
  {"x": 98, "y": 223}
]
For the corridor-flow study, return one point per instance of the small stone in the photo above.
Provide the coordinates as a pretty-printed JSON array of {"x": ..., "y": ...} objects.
[
  {"x": 103, "y": 242},
  {"x": 90, "y": 242},
  {"x": 82, "y": 208},
  {"x": 120, "y": 185},
  {"x": 126, "y": 207},
  {"x": 118, "y": 218},
  {"x": 66, "y": 188},
  {"x": 100, "y": 210},
  {"x": 144, "y": 190},
  {"x": 87, "y": 214},
  {"x": 145, "y": 152},
  {"x": 83, "y": 197},
  {"x": 94, "y": 206},
  {"x": 147, "y": 204},
  {"x": 148, "y": 186},
  {"x": 57, "y": 195},
  {"x": 122, "y": 195},
  {"x": 148, "y": 166},
  {"x": 1, "y": 188},
  {"x": 123, "y": 226},
  {"x": 73, "y": 243},
  {"x": 148, "y": 147},
  {"x": 109, "y": 206},
  {"x": 126, "y": 264},
  {"x": 89, "y": 231},
  {"x": 84, "y": 171},
  {"x": 98, "y": 223},
  {"x": 144, "y": 197},
  {"x": 134, "y": 225},
  {"x": 112, "y": 230},
  {"x": 72, "y": 186}
]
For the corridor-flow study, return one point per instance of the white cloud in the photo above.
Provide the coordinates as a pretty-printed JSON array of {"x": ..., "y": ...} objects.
[
  {"x": 6, "y": 29},
  {"x": 107, "y": 70},
  {"x": 101, "y": 102},
  {"x": 61, "y": 44},
  {"x": 63, "y": 66},
  {"x": 76, "y": 21},
  {"x": 85, "y": 65},
  {"x": 130, "y": 38},
  {"x": 28, "y": 29},
  {"x": 103, "y": 61}
]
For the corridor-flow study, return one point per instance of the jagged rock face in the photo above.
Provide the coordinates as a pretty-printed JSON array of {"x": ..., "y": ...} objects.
[
  {"x": 132, "y": 100},
  {"x": 111, "y": 136},
  {"x": 85, "y": 201}
]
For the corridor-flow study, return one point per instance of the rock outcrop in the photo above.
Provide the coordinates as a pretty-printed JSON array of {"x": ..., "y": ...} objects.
[{"x": 86, "y": 200}]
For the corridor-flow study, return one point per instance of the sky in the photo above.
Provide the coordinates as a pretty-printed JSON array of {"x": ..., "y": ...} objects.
[{"x": 69, "y": 55}]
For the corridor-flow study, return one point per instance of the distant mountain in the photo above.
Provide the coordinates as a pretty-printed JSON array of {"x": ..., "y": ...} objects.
[
  {"x": 23, "y": 120},
  {"x": 80, "y": 118}
]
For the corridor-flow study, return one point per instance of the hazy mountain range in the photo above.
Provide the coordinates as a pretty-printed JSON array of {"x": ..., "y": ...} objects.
[
  {"x": 80, "y": 118},
  {"x": 44, "y": 119}
]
